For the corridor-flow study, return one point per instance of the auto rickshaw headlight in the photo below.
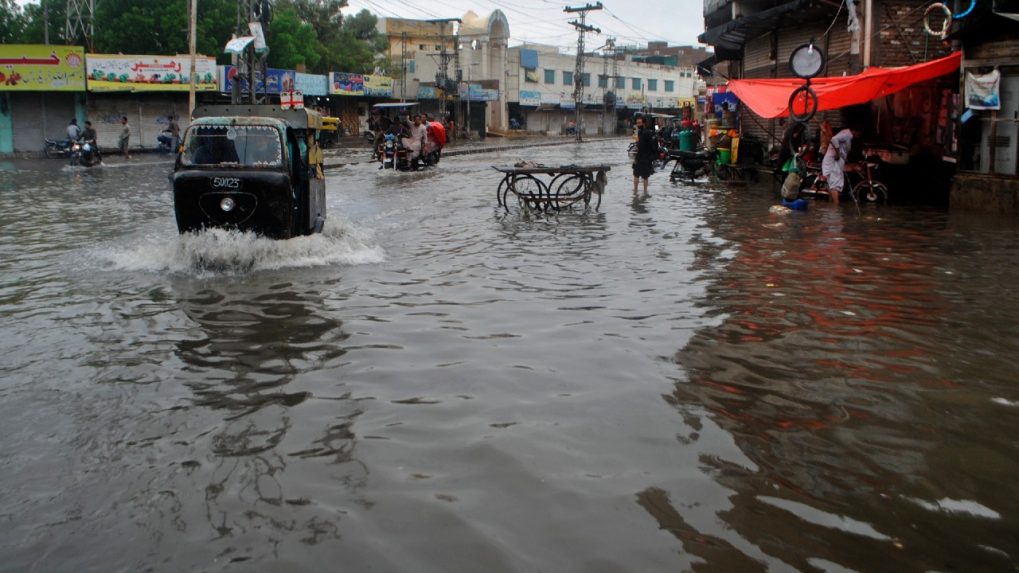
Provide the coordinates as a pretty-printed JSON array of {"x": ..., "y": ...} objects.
[{"x": 227, "y": 204}]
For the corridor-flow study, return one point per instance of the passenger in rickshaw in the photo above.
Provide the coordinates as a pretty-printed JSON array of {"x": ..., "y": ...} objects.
[
  {"x": 415, "y": 140},
  {"x": 379, "y": 124}
]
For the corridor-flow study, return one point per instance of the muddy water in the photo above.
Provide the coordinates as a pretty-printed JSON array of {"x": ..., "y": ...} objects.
[{"x": 681, "y": 381}]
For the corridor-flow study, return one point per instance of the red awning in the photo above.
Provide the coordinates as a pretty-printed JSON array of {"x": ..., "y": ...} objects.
[{"x": 770, "y": 98}]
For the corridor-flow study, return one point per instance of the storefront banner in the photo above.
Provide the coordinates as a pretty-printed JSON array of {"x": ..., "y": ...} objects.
[
  {"x": 378, "y": 86},
  {"x": 530, "y": 98},
  {"x": 117, "y": 73},
  {"x": 311, "y": 84},
  {"x": 371, "y": 85},
  {"x": 274, "y": 82},
  {"x": 983, "y": 92},
  {"x": 427, "y": 92},
  {"x": 31, "y": 67}
]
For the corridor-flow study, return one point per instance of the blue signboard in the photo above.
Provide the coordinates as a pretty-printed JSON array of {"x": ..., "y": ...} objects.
[
  {"x": 312, "y": 84},
  {"x": 276, "y": 81}
]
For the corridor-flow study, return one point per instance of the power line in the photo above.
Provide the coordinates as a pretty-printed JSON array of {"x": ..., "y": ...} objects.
[{"x": 578, "y": 75}]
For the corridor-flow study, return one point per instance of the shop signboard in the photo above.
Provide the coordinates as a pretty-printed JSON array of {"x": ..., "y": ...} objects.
[
  {"x": 311, "y": 84},
  {"x": 530, "y": 98},
  {"x": 118, "y": 73},
  {"x": 37, "y": 67},
  {"x": 427, "y": 92},
  {"x": 274, "y": 82},
  {"x": 371, "y": 85}
]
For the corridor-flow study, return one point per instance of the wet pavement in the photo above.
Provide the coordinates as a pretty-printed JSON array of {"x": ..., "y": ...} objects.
[{"x": 682, "y": 381}]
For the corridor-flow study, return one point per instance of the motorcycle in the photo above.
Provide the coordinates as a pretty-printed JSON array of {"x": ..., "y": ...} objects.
[
  {"x": 57, "y": 148},
  {"x": 691, "y": 164},
  {"x": 166, "y": 142},
  {"x": 390, "y": 153},
  {"x": 85, "y": 153}
]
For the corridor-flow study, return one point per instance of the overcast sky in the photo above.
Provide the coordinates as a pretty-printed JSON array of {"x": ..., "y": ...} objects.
[{"x": 543, "y": 21}]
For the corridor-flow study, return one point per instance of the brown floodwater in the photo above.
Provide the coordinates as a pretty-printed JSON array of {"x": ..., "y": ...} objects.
[{"x": 678, "y": 382}]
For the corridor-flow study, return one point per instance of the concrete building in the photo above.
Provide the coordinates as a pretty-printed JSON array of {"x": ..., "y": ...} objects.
[{"x": 540, "y": 86}]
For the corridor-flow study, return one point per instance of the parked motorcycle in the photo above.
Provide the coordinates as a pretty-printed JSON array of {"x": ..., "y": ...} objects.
[
  {"x": 57, "y": 148},
  {"x": 691, "y": 164},
  {"x": 85, "y": 153},
  {"x": 167, "y": 142}
]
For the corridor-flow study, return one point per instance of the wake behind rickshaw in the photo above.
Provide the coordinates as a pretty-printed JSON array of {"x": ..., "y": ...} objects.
[{"x": 254, "y": 168}]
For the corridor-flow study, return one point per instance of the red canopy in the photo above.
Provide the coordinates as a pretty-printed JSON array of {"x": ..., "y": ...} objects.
[{"x": 770, "y": 98}]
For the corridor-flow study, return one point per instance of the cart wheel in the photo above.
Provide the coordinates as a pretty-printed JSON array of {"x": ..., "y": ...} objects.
[
  {"x": 802, "y": 104},
  {"x": 571, "y": 189},
  {"x": 529, "y": 190},
  {"x": 870, "y": 192}
]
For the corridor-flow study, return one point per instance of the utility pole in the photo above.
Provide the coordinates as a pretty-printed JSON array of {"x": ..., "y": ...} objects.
[
  {"x": 403, "y": 67},
  {"x": 192, "y": 42},
  {"x": 80, "y": 14},
  {"x": 251, "y": 64},
  {"x": 441, "y": 76},
  {"x": 578, "y": 73}
]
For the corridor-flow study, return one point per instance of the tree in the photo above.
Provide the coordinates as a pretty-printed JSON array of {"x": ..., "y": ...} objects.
[
  {"x": 12, "y": 22},
  {"x": 38, "y": 18},
  {"x": 292, "y": 41},
  {"x": 146, "y": 27}
]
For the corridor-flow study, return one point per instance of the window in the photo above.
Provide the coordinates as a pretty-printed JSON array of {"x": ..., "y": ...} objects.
[
  {"x": 438, "y": 48},
  {"x": 585, "y": 79},
  {"x": 620, "y": 82},
  {"x": 670, "y": 85},
  {"x": 421, "y": 47},
  {"x": 635, "y": 83},
  {"x": 567, "y": 78},
  {"x": 411, "y": 66},
  {"x": 603, "y": 81},
  {"x": 549, "y": 76},
  {"x": 652, "y": 85}
]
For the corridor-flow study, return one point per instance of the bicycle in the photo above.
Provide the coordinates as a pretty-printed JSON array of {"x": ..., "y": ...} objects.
[{"x": 863, "y": 187}]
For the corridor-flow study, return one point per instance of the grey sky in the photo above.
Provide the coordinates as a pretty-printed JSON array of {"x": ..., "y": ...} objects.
[{"x": 543, "y": 21}]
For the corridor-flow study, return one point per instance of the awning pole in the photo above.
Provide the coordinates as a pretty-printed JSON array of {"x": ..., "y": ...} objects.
[{"x": 868, "y": 30}]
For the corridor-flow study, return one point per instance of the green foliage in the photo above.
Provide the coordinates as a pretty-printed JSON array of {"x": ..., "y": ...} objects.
[
  {"x": 37, "y": 16},
  {"x": 292, "y": 41},
  {"x": 12, "y": 22},
  {"x": 312, "y": 32},
  {"x": 147, "y": 27}
]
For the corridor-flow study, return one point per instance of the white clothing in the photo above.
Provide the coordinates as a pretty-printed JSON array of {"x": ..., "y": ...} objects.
[
  {"x": 416, "y": 140},
  {"x": 832, "y": 168},
  {"x": 73, "y": 132}
]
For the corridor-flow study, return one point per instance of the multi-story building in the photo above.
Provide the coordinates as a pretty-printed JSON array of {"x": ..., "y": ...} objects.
[
  {"x": 540, "y": 84},
  {"x": 422, "y": 50}
]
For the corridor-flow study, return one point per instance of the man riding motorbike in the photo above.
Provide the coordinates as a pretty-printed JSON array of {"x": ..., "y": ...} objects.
[{"x": 88, "y": 135}]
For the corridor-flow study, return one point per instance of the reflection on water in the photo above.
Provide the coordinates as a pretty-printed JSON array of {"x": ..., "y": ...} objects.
[{"x": 833, "y": 366}]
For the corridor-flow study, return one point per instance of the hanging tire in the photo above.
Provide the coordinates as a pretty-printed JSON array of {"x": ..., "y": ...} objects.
[
  {"x": 802, "y": 104},
  {"x": 870, "y": 192}
]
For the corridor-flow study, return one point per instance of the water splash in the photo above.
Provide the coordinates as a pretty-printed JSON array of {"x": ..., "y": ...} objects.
[{"x": 225, "y": 251}]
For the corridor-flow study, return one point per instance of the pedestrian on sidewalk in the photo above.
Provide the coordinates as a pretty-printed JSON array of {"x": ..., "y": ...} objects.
[{"x": 125, "y": 138}]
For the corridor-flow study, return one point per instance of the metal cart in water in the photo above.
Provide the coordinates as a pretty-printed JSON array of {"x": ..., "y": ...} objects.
[{"x": 552, "y": 188}]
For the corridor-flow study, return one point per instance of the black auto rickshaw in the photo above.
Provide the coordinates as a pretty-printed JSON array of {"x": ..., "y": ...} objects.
[{"x": 254, "y": 168}]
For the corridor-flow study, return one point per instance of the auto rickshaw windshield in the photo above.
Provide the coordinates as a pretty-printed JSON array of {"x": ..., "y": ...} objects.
[{"x": 234, "y": 145}]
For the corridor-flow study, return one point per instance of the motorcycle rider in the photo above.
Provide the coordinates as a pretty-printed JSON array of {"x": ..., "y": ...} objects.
[
  {"x": 89, "y": 135},
  {"x": 73, "y": 131}
]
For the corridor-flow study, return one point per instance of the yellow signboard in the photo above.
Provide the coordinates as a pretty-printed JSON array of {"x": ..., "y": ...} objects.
[
  {"x": 109, "y": 73},
  {"x": 36, "y": 67}
]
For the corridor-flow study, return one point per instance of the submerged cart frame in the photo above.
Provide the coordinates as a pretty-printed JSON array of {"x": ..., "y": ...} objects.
[{"x": 566, "y": 186}]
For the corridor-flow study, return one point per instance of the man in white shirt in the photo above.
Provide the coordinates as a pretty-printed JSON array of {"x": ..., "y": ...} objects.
[
  {"x": 834, "y": 163},
  {"x": 73, "y": 131}
]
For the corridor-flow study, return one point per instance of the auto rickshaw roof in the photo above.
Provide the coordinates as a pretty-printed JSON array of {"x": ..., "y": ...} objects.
[{"x": 257, "y": 115}]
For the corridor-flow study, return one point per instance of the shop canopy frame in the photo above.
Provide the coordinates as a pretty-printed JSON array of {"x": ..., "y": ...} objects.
[{"x": 769, "y": 98}]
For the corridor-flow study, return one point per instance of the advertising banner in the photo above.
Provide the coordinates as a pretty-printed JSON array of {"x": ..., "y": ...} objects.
[
  {"x": 427, "y": 92},
  {"x": 31, "y": 67},
  {"x": 475, "y": 92},
  {"x": 530, "y": 98},
  {"x": 311, "y": 84},
  {"x": 275, "y": 81},
  {"x": 983, "y": 91},
  {"x": 378, "y": 86},
  {"x": 117, "y": 73},
  {"x": 348, "y": 84}
]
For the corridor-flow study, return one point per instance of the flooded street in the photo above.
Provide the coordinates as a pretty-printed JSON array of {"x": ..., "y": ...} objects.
[{"x": 677, "y": 382}]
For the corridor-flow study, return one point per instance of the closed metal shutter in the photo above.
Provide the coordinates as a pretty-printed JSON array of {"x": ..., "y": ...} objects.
[
  {"x": 146, "y": 114},
  {"x": 38, "y": 115},
  {"x": 757, "y": 58}
]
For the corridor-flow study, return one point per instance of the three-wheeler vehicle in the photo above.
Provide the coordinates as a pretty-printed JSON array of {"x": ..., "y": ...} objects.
[{"x": 252, "y": 168}]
